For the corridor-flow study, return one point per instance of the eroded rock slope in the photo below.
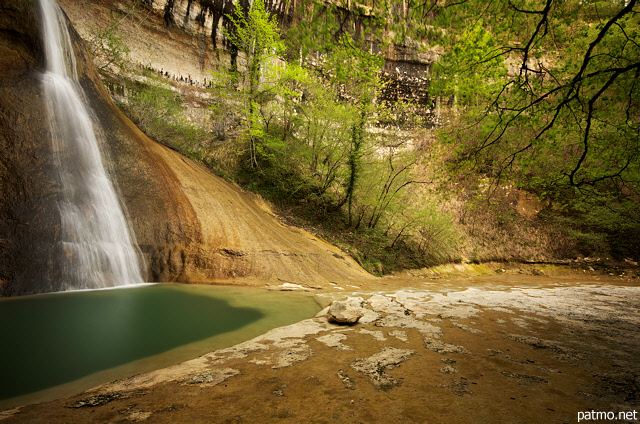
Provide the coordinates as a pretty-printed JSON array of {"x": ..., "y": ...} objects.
[{"x": 191, "y": 226}]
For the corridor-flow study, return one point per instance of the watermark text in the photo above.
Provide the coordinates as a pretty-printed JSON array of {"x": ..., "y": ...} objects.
[{"x": 607, "y": 415}]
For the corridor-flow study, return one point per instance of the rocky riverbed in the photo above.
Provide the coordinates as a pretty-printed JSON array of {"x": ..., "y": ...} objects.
[{"x": 485, "y": 349}]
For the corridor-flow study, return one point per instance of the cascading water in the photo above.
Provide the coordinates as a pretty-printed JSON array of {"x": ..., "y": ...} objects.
[{"x": 95, "y": 241}]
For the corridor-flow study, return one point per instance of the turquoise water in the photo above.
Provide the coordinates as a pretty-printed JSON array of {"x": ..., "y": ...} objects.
[{"x": 97, "y": 336}]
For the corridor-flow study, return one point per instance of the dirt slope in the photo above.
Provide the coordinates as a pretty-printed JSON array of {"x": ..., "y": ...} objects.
[{"x": 239, "y": 237}]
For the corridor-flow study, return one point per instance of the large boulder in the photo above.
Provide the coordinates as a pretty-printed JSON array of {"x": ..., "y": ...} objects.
[{"x": 346, "y": 311}]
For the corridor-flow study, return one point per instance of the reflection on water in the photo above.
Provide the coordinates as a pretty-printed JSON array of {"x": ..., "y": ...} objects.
[{"x": 53, "y": 339}]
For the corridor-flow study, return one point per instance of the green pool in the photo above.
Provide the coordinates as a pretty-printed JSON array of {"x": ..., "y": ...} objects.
[{"x": 57, "y": 344}]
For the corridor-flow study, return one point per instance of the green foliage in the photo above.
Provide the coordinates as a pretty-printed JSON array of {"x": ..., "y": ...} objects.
[
  {"x": 416, "y": 236},
  {"x": 108, "y": 45},
  {"x": 255, "y": 33},
  {"x": 158, "y": 111},
  {"x": 470, "y": 72},
  {"x": 386, "y": 174},
  {"x": 308, "y": 140},
  {"x": 545, "y": 95},
  {"x": 356, "y": 72},
  {"x": 325, "y": 30},
  {"x": 565, "y": 121},
  {"x": 108, "y": 48}
]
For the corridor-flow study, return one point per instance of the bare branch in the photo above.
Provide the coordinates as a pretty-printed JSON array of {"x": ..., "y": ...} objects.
[
  {"x": 587, "y": 56},
  {"x": 585, "y": 141},
  {"x": 541, "y": 24},
  {"x": 529, "y": 12}
]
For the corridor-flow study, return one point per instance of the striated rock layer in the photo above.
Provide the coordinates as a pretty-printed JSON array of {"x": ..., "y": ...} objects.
[
  {"x": 185, "y": 40},
  {"x": 191, "y": 226}
]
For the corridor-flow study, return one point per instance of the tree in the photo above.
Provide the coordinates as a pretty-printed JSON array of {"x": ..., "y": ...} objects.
[
  {"x": 375, "y": 169},
  {"x": 356, "y": 72},
  {"x": 107, "y": 44},
  {"x": 310, "y": 123},
  {"x": 565, "y": 121},
  {"x": 255, "y": 33},
  {"x": 322, "y": 140},
  {"x": 574, "y": 85},
  {"x": 458, "y": 75}
]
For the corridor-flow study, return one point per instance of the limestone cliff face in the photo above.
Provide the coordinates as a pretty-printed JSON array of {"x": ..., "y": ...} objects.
[
  {"x": 190, "y": 225},
  {"x": 184, "y": 38}
]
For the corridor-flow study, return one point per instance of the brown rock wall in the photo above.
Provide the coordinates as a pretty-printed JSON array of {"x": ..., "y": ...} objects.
[
  {"x": 185, "y": 38},
  {"x": 190, "y": 225},
  {"x": 28, "y": 185}
]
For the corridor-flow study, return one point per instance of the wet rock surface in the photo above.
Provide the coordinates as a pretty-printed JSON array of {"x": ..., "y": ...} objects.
[
  {"x": 376, "y": 365},
  {"x": 578, "y": 352},
  {"x": 190, "y": 225}
]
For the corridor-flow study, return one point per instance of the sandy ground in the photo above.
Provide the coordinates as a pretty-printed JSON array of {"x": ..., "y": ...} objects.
[{"x": 504, "y": 348}]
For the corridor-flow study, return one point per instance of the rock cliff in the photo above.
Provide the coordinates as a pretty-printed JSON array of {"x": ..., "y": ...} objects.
[
  {"x": 184, "y": 38},
  {"x": 190, "y": 225}
]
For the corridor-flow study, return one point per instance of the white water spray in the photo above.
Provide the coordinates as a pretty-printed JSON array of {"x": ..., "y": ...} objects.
[{"x": 95, "y": 239}]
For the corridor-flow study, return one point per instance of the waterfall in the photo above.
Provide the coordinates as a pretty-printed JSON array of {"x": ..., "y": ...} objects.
[{"x": 97, "y": 249}]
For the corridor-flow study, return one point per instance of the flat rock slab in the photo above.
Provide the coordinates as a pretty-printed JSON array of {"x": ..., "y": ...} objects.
[
  {"x": 578, "y": 352},
  {"x": 377, "y": 365}
]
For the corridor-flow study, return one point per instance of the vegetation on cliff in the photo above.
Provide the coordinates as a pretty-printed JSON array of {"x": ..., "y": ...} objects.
[
  {"x": 322, "y": 144},
  {"x": 535, "y": 155},
  {"x": 563, "y": 121}
]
